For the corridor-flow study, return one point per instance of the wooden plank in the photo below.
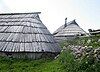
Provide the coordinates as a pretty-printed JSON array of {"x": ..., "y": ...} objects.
[
  {"x": 9, "y": 47},
  {"x": 21, "y": 37},
  {"x": 31, "y": 48},
  {"x": 46, "y": 38},
  {"x": 34, "y": 46},
  {"x": 16, "y": 16},
  {"x": 3, "y": 28},
  {"x": 14, "y": 38},
  {"x": 27, "y": 23},
  {"x": 5, "y": 36},
  {"x": 30, "y": 37},
  {"x": 31, "y": 15},
  {"x": 52, "y": 47},
  {"x": 33, "y": 36},
  {"x": 26, "y": 37},
  {"x": 39, "y": 47},
  {"x": 32, "y": 24},
  {"x": 38, "y": 37},
  {"x": 1, "y": 35},
  {"x": 22, "y": 47},
  {"x": 5, "y": 16},
  {"x": 50, "y": 38},
  {"x": 39, "y": 30},
  {"x": 19, "y": 28},
  {"x": 45, "y": 31},
  {"x": 35, "y": 20},
  {"x": 44, "y": 47},
  {"x": 27, "y": 47},
  {"x": 33, "y": 30},
  {"x": 4, "y": 45},
  {"x": 16, "y": 47},
  {"x": 42, "y": 38}
]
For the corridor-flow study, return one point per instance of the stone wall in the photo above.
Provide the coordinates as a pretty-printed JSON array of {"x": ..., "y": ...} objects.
[{"x": 34, "y": 55}]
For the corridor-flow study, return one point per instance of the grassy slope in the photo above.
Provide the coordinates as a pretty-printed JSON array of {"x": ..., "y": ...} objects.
[
  {"x": 22, "y": 65},
  {"x": 65, "y": 63},
  {"x": 15, "y": 65}
]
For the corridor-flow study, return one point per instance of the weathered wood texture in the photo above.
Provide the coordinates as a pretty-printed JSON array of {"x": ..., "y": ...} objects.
[
  {"x": 70, "y": 31},
  {"x": 25, "y": 32},
  {"x": 29, "y": 55}
]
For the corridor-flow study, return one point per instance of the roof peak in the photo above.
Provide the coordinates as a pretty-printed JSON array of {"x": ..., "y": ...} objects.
[
  {"x": 20, "y": 13},
  {"x": 73, "y": 22}
]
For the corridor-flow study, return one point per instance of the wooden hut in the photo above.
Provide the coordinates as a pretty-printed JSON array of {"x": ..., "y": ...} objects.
[
  {"x": 23, "y": 35},
  {"x": 69, "y": 31},
  {"x": 94, "y": 32}
]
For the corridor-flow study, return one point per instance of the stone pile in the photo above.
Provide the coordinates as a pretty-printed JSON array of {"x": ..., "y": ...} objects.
[{"x": 82, "y": 51}]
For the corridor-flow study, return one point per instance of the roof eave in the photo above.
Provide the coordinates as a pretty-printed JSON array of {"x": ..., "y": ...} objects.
[{"x": 20, "y": 13}]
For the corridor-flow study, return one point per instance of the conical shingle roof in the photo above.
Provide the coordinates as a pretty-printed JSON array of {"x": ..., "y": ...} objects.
[
  {"x": 25, "y": 32},
  {"x": 71, "y": 30}
]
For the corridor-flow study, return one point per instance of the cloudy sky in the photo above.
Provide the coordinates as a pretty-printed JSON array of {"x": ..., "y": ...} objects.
[{"x": 54, "y": 12}]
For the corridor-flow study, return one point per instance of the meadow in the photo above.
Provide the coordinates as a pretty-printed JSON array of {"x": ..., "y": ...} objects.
[{"x": 64, "y": 63}]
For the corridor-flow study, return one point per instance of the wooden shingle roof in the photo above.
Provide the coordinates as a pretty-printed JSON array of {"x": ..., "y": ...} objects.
[
  {"x": 71, "y": 29},
  {"x": 25, "y": 32}
]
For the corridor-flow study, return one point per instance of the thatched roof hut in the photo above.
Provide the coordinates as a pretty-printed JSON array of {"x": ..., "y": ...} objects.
[
  {"x": 69, "y": 31},
  {"x": 23, "y": 35}
]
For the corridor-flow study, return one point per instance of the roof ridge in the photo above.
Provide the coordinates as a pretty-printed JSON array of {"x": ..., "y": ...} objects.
[
  {"x": 72, "y": 22},
  {"x": 20, "y": 13}
]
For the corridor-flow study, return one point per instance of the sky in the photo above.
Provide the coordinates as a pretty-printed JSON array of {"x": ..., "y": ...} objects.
[{"x": 54, "y": 12}]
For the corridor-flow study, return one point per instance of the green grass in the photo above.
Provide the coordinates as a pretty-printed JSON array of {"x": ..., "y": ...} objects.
[
  {"x": 64, "y": 63},
  {"x": 23, "y": 65}
]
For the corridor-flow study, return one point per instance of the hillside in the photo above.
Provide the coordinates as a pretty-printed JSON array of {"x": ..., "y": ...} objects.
[{"x": 66, "y": 61}]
